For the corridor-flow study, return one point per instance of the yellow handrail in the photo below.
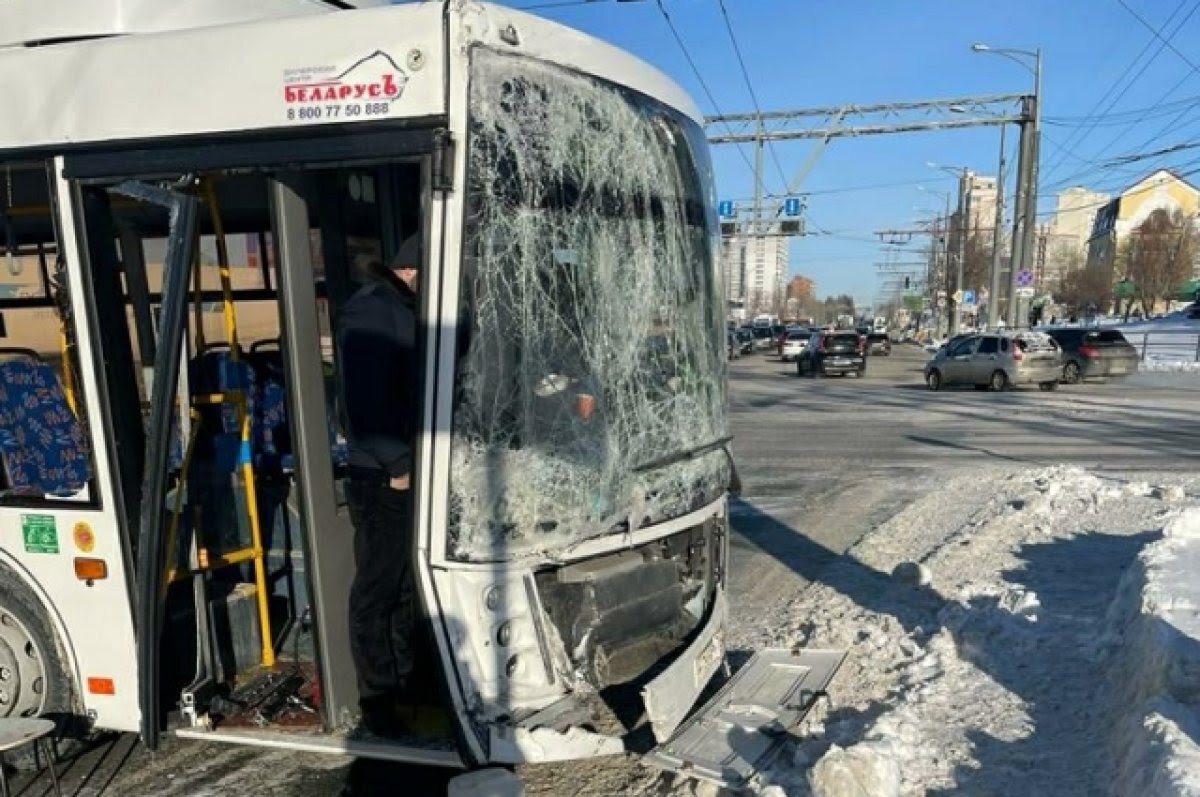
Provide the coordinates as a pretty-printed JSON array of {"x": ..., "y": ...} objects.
[{"x": 238, "y": 397}]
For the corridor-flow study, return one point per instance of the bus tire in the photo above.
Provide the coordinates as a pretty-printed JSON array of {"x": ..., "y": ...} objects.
[{"x": 34, "y": 678}]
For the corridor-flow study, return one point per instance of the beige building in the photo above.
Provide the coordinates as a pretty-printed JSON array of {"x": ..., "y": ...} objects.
[
  {"x": 975, "y": 211},
  {"x": 1063, "y": 241},
  {"x": 1162, "y": 190}
]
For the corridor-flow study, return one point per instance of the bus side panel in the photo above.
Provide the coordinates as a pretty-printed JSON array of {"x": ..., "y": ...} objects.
[{"x": 93, "y": 622}]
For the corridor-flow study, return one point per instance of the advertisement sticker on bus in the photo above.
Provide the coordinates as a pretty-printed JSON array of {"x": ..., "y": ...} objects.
[
  {"x": 40, "y": 533},
  {"x": 369, "y": 87}
]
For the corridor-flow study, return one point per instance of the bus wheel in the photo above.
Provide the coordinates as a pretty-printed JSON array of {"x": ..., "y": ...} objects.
[{"x": 33, "y": 676}]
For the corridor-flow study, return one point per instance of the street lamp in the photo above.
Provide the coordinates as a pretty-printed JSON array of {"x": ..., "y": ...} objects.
[
  {"x": 1027, "y": 174},
  {"x": 961, "y": 172}
]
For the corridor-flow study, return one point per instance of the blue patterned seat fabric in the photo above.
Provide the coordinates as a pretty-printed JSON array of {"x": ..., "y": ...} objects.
[
  {"x": 215, "y": 371},
  {"x": 42, "y": 447}
]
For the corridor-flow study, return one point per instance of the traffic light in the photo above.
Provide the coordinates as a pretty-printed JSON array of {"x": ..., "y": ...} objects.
[{"x": 907, "y": 283}]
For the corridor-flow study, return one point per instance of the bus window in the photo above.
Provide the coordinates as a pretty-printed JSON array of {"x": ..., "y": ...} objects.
[
  {"x": 594, "y": 352},
  {"x": 44, "y": 448}
]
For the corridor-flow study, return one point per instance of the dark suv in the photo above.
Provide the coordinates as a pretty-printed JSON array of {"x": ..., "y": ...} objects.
[
  {"x": 1094, "y": 352},
  {"x": 838, "y": 352}
]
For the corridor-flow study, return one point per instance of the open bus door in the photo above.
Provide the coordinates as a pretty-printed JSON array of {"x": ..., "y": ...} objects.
[
  {"x": 163, "y": 393},
  {"x": 316, "y": 216}
]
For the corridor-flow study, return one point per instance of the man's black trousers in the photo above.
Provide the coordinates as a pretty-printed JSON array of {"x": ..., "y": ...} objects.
[{"x": 382, "y": 598}]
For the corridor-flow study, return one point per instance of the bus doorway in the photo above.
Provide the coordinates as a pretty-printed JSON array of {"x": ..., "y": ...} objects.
[{"x": 246, "y": 538}]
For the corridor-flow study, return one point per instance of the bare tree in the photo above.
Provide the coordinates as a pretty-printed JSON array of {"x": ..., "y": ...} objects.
[
  {"x": 1158, "y": 257},
  {"x": 1082, "y": 287}
]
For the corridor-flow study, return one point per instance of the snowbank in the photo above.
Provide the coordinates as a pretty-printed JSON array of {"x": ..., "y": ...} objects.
[
  {"x": 1155, "y": 621},
  {"x": 997, "y": 675}
]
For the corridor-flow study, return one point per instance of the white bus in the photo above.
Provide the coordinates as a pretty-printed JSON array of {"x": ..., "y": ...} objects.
[{"x": 184, "y": 188}]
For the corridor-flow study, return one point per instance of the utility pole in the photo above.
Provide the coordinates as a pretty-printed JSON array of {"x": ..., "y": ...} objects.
[
  {"x": 956, "y": 319},
  {"x": 1035, "y": 144},
  {"x": 1021, "y": 213},
  {"x": 997, "y": 242},
  {"x": 1025, "y": 213}
]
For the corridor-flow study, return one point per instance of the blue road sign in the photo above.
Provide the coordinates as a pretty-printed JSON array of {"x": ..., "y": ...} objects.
[
  {"x": 725, "y": 208},
  {"x": 791, "y": 206},
  {"x": 968, "y": 297},
  {"x": 1024, "y": 278}
]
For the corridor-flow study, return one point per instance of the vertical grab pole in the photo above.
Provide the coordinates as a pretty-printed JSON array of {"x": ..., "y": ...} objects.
[{"x": 245, "y": 460}]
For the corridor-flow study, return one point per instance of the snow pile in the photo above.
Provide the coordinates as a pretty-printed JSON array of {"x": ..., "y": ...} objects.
[
  {"x": 1155, "y": 627},
  {"x": 996, "y": 676},
  {"x": 1152, "y": 364}
]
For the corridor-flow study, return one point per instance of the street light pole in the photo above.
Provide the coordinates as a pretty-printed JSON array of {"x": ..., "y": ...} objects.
[
  {"x": 1035, "y": 146},
  {"x": 997, "y": 242},
  {"x": 1025, "y": 211}
]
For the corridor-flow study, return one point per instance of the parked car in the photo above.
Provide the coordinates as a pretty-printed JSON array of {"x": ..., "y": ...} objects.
[
  {"x": 795, "y": 344},
  {"x": 996, "y": 361},
  {"x": 746, "y": 340},
  {"x": 1094, "y": 352},
  {"x": 835, "y": 352},
  {"x": 879, "y": 343}
]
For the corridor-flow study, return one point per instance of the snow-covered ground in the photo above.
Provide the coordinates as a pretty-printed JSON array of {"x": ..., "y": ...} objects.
[
  {"x": 1041, "y": 636},
  {"x": 1169, "y": 344}
]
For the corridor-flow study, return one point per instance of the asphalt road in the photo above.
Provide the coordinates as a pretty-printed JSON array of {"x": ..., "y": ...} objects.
[{"x": 823, "y": 461}]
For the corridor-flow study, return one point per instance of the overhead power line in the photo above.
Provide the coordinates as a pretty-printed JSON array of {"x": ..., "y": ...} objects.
[
  {"x": 696, "y": 71},
  {"x": 1086, "y": 129},
  {"x": 737, "y": 51}
]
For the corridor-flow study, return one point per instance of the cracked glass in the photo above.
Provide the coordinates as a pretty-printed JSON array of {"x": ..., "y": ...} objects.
[{"x": 590, "y": 393}]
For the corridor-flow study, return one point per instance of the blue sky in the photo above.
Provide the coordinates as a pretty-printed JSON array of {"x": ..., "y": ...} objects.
[{"x": 803, "y": 53}]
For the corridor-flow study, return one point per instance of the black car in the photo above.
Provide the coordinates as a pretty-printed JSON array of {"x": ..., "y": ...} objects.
[
  {"x": 745, "y": 339},
  {"x": 1094, "y": 352},
  {"x": 838, "y": 352}
]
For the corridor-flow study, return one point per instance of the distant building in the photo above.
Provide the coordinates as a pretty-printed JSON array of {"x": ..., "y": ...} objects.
[
  {"x": 1162, "y": 190},
  {"x": 1062, "y": 243},
  {"x": 733, "y": 270},
  {"x": 975, "y": 213}
]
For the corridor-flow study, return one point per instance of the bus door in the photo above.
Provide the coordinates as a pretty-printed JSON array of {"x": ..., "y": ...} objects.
[{"x": 315, "y": 223}]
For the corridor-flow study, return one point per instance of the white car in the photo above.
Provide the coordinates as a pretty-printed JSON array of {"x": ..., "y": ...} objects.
[{"x": 794, "y": 344}]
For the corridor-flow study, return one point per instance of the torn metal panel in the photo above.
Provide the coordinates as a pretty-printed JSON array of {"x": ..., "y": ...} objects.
[
  {"x": 594, "y": 340},
  {"x": 669, "y": 697},
  {"x": 745, "y": 724}
]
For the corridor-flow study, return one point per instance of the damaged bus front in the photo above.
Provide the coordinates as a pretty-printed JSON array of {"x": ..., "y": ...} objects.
[
  {"x": 589, "y": 416},
  {"x": 581, "y": 573}
]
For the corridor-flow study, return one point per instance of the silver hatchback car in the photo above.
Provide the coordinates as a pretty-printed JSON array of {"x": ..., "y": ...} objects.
[{"x": 997, "y": 361}]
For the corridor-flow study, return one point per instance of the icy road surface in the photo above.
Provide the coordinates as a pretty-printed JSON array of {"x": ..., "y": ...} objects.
[{"x": 953, "y": 688}]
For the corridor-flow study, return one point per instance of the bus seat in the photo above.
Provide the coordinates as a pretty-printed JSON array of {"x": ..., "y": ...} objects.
[
  {"x": 215, "y": 371},
  {"x": 42, "y": 445},
  {"x": 272, "y": 436}
]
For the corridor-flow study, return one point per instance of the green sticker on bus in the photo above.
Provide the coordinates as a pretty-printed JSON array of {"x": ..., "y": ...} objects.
[{"x": 40, "y": 533}]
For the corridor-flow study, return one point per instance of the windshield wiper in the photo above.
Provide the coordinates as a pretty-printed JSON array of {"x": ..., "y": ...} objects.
[{"x": 680, "y": 456}]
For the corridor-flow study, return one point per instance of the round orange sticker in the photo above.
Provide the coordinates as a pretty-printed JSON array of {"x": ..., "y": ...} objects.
[{"x": 85, "y": 538}]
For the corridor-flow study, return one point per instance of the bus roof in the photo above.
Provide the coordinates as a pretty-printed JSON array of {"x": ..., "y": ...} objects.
[
  {"x": 236, "y": 71},
  {"x": 25, "y": 22}
]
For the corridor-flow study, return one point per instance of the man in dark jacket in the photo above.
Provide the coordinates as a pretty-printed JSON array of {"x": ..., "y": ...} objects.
[{"x": 378, "y": 364}]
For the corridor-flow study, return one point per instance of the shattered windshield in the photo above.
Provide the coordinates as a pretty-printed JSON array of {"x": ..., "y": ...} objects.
[{"x": 590, "y": 385}]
